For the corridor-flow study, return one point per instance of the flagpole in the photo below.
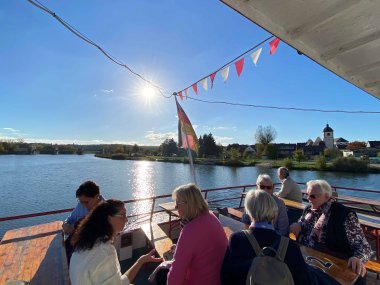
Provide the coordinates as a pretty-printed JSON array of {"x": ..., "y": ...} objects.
[{"x": 188, "y": 146}]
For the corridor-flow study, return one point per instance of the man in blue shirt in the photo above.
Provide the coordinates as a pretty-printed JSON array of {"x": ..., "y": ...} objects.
[{"x": 88, "y": 195}]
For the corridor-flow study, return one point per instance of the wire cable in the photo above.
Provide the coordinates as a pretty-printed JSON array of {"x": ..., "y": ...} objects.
[
  {"x": 86, "y": 39},
  {"x": 162, "y": 91},
  {"x": 282, "y": 108}
]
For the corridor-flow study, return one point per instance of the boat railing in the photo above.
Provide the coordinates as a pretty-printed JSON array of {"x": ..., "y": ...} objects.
[{"x": 216, "y": 197}]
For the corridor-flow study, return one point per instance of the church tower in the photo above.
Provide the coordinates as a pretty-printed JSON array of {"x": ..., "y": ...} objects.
[{"x": 328, "y": 137}]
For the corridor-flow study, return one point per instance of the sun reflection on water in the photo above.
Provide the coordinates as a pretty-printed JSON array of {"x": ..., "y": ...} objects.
[{"x": 143, "y": 185}]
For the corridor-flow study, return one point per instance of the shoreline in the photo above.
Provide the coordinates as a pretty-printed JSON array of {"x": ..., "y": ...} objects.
[{"x": 306, "y": 165}]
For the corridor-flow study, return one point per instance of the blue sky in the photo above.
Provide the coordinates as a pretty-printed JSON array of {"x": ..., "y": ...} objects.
[{"x": 56, "y": 88}]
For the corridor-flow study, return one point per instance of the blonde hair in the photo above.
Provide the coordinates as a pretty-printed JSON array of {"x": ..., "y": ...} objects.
[
  {"x": 323, "y": 185},
  {"x": 191, "y": 194},
  {"x": 260, "y": 206}
]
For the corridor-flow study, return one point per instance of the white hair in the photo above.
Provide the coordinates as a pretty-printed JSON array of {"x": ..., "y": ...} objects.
[
  {"x": 264, "y": 177},
  {"x": 323, "y": 185}
]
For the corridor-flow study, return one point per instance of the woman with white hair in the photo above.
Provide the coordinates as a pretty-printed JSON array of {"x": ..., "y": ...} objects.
[
  {"x": 262, "y": 209},
  {"x": 331, "y": 227}
]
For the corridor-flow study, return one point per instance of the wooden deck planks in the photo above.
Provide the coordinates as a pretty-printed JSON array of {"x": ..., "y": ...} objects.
[
  {"x": 35, "y": 254},
  {"x": 157, "y": 238}
]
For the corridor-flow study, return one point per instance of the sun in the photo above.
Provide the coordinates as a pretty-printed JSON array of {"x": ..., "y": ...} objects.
[{"x": 148, "y": 92}]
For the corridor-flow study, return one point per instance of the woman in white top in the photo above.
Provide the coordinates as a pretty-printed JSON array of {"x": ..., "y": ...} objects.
[{"x": 94, "y": 260}]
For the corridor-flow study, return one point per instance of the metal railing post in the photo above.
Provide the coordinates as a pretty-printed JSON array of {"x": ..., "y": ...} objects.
[{"x": 152, "y": 209}]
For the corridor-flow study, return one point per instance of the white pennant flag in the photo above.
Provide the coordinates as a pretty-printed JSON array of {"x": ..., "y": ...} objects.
[
  {"x": 225, "y": 72},
  {"x": 204, "y": 83},
  {"x": 187, "y": 92},
  {"x": 255, "y": 56}
]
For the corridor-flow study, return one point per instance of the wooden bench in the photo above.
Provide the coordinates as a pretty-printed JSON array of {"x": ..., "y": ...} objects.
[
  {"x": 35, "y": 254},
  {"x": 234, "y": 213},
  {"x": 157, "y": 238}
]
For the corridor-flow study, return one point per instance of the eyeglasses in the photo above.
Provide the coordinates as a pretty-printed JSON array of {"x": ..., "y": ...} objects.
[
  {"x": 312, "y": 196},
  {"x": 124, "y": 215},
  {"x": 177, "y": 203},
  {"x": 262, "y": 187}
]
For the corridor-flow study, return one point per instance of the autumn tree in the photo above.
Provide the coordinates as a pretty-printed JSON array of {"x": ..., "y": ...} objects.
[{"x": 356, "y": 145}]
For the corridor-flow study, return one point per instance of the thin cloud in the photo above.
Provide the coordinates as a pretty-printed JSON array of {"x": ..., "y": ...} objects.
[
  {"x": 107, "y": 90},
  {"x": 11, "y": 130},
  {"x": 222, "y": 140},
  {"x": 222, "y": 128},
  {"x": 158, "y": 138}
]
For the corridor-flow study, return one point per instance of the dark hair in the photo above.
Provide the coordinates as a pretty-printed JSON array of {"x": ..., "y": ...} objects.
[
  {"x": 88, "y": 188},
  {"x": 95, "y": 226}
]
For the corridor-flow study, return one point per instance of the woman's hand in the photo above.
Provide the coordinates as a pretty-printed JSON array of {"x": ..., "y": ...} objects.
[
  {"x": 295, "y": 228},
  {"x": 357, "y": 266},
  {"x": 149, "y": 257}
]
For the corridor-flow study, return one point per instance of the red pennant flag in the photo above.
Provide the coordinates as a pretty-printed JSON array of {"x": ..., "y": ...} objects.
[
  {"x": 180, "y": 95},
  {"x": 273, "y": 45},
  {"x": 239, "y": 66},
  {"x": 212, "y": 77},
  {"x": 195, "y": 88}
]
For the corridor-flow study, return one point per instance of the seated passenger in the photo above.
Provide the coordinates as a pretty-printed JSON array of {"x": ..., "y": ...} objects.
[
  {"x": 88, "y": 195},
  {"x": 94, "y": 260},
  {"x": 281, "y": 222},
  {"x": 289, "y": 188},
  {"x": 262, "y": 210},
  {"x": 202, "y": 243},
  {"x": 331, "y": 227}
]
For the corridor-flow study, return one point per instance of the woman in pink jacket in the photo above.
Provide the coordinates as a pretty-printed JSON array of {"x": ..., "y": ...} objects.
[{"x": 202, "y": 243}]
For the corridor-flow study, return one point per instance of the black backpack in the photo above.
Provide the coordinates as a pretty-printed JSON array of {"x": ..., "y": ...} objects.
[{"x": 266, "y": 269}]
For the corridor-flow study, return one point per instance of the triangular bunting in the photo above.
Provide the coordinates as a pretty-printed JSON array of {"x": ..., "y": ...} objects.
[
  {"x": 255, "y": 56},
  {"x": 239, "y": 66},
  {"x": 180, "y": 95},
  {"x": 212, "y": 77},
  {"x": 187, "y": 92},
  {"x": 225, "y": 71},
  {"x": 273, "y": 45},
  {"x": 195, "y": 88},
  {"x": 204, "y": 83}
]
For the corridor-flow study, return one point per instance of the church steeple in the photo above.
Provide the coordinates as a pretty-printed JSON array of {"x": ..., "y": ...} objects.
[{"x": 328, "y": 136}]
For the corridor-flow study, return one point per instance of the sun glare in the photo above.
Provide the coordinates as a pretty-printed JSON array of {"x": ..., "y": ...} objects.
[{"x": 148, "y": 92}]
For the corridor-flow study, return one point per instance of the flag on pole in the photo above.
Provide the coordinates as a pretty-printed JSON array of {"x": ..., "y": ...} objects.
[{"x": 186, "y": 134}]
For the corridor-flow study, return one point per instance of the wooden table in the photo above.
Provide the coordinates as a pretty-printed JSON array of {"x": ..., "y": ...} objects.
[
  {"x": 294, "y": 204},
  {"x": 170, "y": 209},
  {"x": 35, "y": 254},
  {"x": 333, "y": 266}
]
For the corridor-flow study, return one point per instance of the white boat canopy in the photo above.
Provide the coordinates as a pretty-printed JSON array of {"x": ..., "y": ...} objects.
[{"x": 341, "y": 35}]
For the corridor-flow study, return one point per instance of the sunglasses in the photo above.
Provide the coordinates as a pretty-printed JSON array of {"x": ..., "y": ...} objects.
[
  {"x": 312, "y": 196},
  {"x": 262, "y": 187}
]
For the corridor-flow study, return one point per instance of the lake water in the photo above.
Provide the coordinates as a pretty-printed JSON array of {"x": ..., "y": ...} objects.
[{"x": 35, "y": 183}]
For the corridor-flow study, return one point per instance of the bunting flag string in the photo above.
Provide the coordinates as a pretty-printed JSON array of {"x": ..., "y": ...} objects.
[{"x": 238, "y": 63}]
